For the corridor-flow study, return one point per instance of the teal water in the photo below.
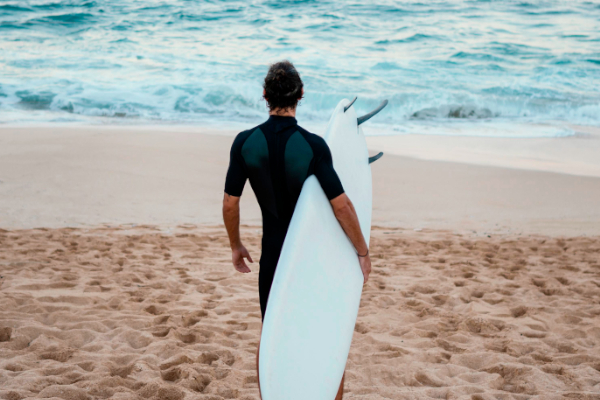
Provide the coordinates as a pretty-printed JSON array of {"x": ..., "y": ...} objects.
[{"x": 500, "y": 68}]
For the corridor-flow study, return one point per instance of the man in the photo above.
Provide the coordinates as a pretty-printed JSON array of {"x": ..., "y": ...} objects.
[{"x": 277, "y": 156}]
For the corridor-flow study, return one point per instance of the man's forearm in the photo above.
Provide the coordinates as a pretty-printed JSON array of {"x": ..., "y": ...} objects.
[
  {"x": 231, "y": 218},
  {"x": 346, "y": 215},
  {"x": 351, "y": 226}
]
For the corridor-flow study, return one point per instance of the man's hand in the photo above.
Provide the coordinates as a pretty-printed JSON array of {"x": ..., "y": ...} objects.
[
  {"x": 365, "y": 266},
  {"x": 237, "y": 257},
  {"x": 231, "y": 217}
]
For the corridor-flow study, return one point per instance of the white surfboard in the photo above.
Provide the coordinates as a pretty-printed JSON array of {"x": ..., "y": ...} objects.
[{"x": 314, "y": 299}]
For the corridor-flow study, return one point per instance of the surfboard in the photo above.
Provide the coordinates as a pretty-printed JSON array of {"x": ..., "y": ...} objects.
[{"x": 315, "y": 295}]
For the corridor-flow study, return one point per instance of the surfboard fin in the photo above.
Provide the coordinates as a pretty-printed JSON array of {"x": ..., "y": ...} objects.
[
  {"x": 368, "y": 116},
  {"x": 375, "y": 157},
  {"x": 350, "y": 105}
]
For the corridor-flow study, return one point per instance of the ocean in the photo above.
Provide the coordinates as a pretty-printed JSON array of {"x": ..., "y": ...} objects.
[{"x": 482, "y": 68}]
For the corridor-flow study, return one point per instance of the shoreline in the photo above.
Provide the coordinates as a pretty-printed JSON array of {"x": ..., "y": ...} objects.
[
  {"x": 92, "y": 175},
  {"x": 573, "y": 155}
]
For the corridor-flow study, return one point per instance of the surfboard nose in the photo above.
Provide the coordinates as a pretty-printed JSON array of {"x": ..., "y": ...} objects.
[{"x": 350, "y": 104}]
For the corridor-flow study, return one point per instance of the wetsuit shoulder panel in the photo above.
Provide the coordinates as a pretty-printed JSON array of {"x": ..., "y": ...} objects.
[
  {"x": 323, "y": 165},
  {"x": 298, "y": 158},
  {"x": 255, "y": 152}
]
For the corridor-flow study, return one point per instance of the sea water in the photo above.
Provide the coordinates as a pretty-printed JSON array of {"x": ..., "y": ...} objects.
[{"x": 490, "y": 68}]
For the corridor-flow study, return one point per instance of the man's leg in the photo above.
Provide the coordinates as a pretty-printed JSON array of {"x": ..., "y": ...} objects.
[{"x": 340, "y": 392}]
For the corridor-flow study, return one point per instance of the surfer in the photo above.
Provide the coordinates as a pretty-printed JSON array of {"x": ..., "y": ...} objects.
[{"x": 277, "y": 156}]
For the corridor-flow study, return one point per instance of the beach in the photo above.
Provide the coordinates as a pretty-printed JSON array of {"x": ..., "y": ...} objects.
[
  {"x": 116, "y": 280},
  {"x": 116, "y": 123}
]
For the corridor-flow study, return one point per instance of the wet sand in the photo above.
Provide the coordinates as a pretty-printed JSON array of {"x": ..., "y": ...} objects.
[{"x": 86, "y": 176}]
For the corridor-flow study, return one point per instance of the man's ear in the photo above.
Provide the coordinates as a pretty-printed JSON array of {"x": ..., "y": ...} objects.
[
  {"x": 301, "y": 95},
  {"x": 264, "y": 93}
]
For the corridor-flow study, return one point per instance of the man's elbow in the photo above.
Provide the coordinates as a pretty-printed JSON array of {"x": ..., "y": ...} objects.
[{"x": 230, "y": 204}]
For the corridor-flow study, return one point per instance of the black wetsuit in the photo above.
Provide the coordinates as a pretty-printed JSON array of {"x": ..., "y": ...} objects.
[{"x": 277, "y": 156}]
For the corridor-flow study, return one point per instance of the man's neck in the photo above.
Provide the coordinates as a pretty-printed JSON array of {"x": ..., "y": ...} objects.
[{"x": 288, "y": 112}]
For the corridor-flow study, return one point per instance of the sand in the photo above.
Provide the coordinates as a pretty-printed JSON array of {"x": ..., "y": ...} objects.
[
  {"x": 116, "y": 281},
  {"x": 148, "y": 313},
  {"x": 575, "y": 155},
  {"x": 86, "y": 176}
]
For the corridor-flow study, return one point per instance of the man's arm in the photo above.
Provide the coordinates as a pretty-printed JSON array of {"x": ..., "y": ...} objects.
[
  {"x": 234, "y": 186},
  {"x": 346, "y": 214},
  {"x": 231, "y": 217},
  {"x": 342, "y": 206}
]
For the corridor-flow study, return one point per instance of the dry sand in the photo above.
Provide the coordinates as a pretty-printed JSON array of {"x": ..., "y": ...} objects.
[
  {"x": 144, "y": 313},
  {"x": 485, "y": 285}
]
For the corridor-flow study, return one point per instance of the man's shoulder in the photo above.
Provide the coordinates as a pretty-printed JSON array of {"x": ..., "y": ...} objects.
[
  {"x": 241, "y": 137},
  {"x": 318, "y": 144},
  {"x": 312, "y": 137}
]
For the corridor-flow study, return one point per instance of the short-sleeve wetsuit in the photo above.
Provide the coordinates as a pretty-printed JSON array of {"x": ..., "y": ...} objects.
[{"x": 277, "y": 156}]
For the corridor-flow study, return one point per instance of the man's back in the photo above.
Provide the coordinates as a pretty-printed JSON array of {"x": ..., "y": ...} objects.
[{"x": 277, "y": 157}]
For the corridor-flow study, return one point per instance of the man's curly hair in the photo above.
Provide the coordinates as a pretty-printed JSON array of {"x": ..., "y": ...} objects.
[{"x": 283, "y": 86}]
